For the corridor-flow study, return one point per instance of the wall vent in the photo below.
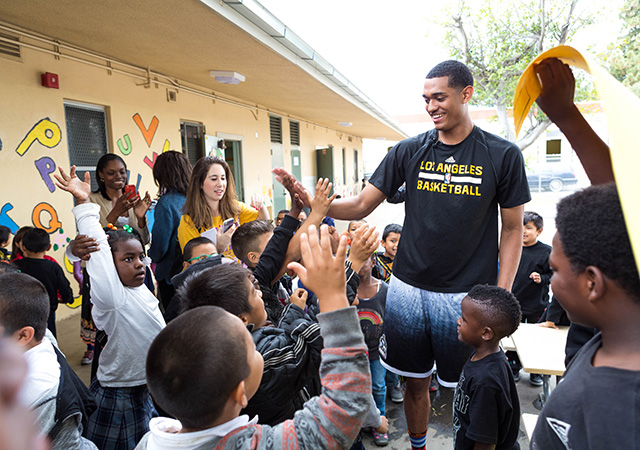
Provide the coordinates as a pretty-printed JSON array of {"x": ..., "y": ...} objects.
[
  {"x": 294, "y": 132},
  {"x": 275, "y": 126},
  {"x": 10, "y": 47}
]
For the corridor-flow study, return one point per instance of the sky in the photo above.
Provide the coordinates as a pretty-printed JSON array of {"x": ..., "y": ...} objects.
[
  {"x": 386, "y": 48},
  {"x": 379, "y": 46}
]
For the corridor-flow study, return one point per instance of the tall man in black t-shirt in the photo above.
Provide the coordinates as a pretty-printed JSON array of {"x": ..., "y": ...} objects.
[{"x": 456, "y": 177}]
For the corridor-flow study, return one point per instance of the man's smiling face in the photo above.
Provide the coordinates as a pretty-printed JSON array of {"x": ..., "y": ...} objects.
[{"x": 445, "y": 105}]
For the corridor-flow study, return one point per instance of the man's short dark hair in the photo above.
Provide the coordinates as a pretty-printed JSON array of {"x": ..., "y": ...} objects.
[
  {"x": 391, "y": 228},
  {"x": 36, "y": 240},
  {"x": 592, "y": 231},
  {"x": 5, "y": 232},
  {"x": 194, "y": 385},
  {"x": 24, "y": 302},
  {"x": 247, "y": 238},
  {"x": 187, "y": 253},
  {"x": 224, "y": 286},
  {"x": 283, "y": 211},
  {"x": 530, "y": 216},
  {"x": 459, "y": 75},
  {"x": 500, "y": 308}
]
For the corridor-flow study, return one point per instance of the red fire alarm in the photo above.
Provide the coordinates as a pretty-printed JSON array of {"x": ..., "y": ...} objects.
[{"x": 50, "y": 80}]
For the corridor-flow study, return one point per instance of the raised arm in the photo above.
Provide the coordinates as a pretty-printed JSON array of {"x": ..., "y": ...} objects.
[
  {"x": 359, "y": 206},
  {"x": 319, "y": 206},
  {"x": 556, "y": 100},
  {"x": 349, "y": 208},
  {"x": 363, "y": 246},
  {"x": 257, "y": 201},
  {"x": 107, "y": 291},
  {"x": 510, "y": 245}
]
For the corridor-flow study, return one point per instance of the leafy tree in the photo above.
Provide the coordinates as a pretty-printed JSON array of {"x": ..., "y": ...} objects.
[
  {"x": 497, "y": 39},
  {"x": 623, "y": 56}
]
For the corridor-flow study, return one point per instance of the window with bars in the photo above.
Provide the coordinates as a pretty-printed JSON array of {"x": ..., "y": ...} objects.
[
  {"x": 275, "y": 128},
  {"x": 86, "y": 137},
  {"x": 554, "y": 150},
  {"x": 294, "y": 132},
  {"x": 192, "y": 141}
]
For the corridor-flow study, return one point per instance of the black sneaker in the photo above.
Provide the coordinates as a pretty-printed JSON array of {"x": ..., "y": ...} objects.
[
  {"x": 516, "y": 376},
  {"x": 535, "y": 379}
]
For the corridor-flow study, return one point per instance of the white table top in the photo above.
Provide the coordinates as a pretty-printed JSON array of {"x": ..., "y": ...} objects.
[
  {"x": 541, "y": 350},
  {"x": 507, "y": 343}
]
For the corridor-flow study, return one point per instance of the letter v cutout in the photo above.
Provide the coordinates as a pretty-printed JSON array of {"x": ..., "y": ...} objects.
[{"x": 149, "y": 133}]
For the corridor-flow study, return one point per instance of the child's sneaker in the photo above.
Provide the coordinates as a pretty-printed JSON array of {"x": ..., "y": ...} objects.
[
  {"x": 380, "y": 439},
  {"x": 535, "y": 379},
  {"x": 87, "y": 358},
  {"x": 396, "y": 394}
]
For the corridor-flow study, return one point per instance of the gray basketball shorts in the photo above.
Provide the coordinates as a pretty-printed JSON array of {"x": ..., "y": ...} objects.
[{"x": 419, "y": 330}]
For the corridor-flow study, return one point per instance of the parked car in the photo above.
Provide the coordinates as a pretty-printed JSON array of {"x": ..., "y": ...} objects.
[{"x": 552, "y": 178}]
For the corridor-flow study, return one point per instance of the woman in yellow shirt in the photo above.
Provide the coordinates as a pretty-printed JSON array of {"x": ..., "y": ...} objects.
[{"x": 211, "y": 199}]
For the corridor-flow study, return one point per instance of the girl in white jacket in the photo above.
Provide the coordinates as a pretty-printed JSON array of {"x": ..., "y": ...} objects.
[{"x": 128, "y": 313}]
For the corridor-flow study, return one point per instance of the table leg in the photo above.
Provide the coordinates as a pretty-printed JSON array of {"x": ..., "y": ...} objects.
[{"x": 545, "y": 387}]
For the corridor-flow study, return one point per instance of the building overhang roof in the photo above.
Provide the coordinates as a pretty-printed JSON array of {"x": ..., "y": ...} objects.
[{"x": 186, "y": 39}]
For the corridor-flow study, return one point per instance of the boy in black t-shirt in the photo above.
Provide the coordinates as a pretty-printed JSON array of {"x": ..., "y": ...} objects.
[
  {"x": 35, "y": 244},
  {"x": 595, "y": 278},
  {"x": 531, "y": 285},
  {"x": 486, "y": 409}
]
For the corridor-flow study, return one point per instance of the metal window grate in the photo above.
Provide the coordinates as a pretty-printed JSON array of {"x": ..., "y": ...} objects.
[
  {"x": 192, "y": 141},
  {"x": 554, "y": 150},
  {"x": 294, "y": 131},
  {"x": 275, "y": 127},
  {"x": 356, "y": 170},
  {"x": 344, "y": 165},
  {"x": 86, "y": 137},
  {"x": 10, "y": 46}
]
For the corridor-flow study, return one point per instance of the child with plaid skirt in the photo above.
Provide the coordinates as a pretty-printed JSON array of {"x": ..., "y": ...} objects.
[{"x": 128, "y": 313}]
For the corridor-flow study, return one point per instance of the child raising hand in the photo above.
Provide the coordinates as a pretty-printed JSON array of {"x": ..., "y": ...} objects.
[
  {"x": 128, "y": 313},
  {"x": 232, "y": 369}
]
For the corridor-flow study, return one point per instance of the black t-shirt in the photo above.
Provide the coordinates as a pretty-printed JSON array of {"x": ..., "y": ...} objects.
[
  {"x": 371, "y": 315},
  {"x": 51, "y": 276},
  {"x": 450, "y": 235},
  {"x": 486, "y": 408},
  {"x": 592, "y": 407},
  {"x": 533, "y": 297}
]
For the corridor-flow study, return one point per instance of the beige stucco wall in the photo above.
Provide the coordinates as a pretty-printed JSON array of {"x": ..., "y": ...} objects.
[{"x": 31, "y": 113}]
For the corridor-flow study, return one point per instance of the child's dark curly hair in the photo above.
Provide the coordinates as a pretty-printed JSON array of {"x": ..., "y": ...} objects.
[
  {"x": 499, "y": 307},
  {"x": 592, "y": 232},
  {"x": 121, "y": 235}
]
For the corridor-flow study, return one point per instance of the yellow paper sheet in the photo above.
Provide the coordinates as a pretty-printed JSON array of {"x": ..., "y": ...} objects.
[{"x": 622, "y": 110}]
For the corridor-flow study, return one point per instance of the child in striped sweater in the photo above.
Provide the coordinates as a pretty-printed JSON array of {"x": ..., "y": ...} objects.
[{"x": 205, "y": 390}]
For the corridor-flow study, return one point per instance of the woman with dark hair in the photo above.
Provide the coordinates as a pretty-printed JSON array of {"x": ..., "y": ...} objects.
[
  {"x": 171, "y": 173},
  {"x": 115, "y": 207},
  {"x": 211, "y": 199}
]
